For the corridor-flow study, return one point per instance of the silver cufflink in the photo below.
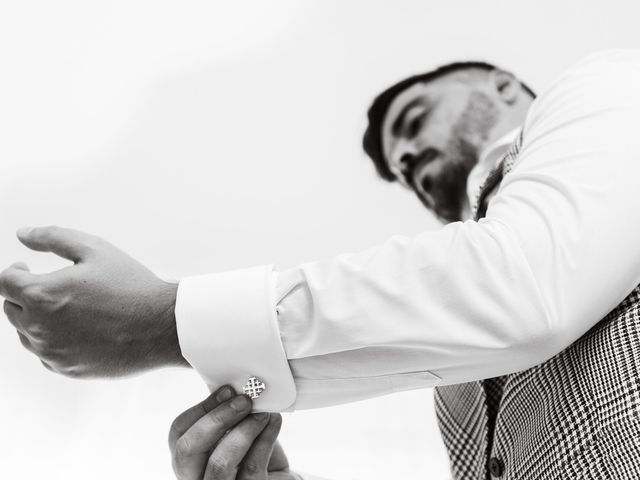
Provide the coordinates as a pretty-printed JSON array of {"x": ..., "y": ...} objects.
[{"x": 254, "y": 387}]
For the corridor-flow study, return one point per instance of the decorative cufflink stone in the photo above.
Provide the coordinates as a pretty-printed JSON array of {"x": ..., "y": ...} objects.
[{"x": 254, "y": 387}]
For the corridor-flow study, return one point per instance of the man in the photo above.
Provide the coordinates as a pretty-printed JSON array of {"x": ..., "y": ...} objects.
[{"x": 525, "y": 320}]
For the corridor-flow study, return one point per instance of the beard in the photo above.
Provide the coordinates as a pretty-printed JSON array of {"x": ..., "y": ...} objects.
[{"x": 442, "y": 182}]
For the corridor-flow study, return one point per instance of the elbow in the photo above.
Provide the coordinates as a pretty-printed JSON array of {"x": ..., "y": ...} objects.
[{"x": 540, "y": 342}]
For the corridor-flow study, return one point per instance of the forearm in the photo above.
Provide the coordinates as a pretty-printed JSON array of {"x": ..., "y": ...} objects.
[{"x": 412, "y": 313}]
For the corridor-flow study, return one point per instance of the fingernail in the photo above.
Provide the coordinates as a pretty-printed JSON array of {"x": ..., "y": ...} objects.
[
  {"x": 224, "y": 395},
  {"x": 260, "y": 416},
  {"x": 240, "y": 403},
  {"x": 24, "y": 231}
]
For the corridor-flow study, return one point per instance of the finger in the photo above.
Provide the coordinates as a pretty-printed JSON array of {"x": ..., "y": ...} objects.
[
  {"x": 13, "y": 312},
  {"x": 278, "y": 460},
  {"x": 47, "y": 366},
  {"x": 256, "y": 462},
  {"x": 64, "y": 242},
  {"x": 193, "y": 448},
  {"x": 186, "y": 419},
  {"x": 26, "y": 343},
  {"x": 13, "y": 281},
  {"x": 225, "y": 460}
]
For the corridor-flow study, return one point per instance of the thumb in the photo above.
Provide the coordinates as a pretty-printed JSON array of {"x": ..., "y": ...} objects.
[{"x": 65, "y": 242}]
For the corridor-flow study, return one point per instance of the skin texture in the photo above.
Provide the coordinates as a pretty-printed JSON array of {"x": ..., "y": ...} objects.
[
  {"x": 104, "y": 316},
  {"x": 433, "y": 134},
  {"x": 218, "y": 439}
]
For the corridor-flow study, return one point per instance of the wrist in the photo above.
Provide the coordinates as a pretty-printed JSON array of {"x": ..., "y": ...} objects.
[{"x": 165, "y": 343}]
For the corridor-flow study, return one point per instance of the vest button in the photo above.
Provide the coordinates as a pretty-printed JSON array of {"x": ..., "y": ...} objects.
[{"x": 496, "y": 468}]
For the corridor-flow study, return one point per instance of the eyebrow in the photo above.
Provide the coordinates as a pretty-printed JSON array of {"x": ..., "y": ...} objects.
[{"x": 398, "y": 122}]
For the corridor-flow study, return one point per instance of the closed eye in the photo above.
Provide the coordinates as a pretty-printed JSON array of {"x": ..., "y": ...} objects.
[{"x": 415, "y": 124}]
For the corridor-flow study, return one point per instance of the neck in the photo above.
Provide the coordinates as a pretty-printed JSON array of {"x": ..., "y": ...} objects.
[{"x": 512, "y": 117}]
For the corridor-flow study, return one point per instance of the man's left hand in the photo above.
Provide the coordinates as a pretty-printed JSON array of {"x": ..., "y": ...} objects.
[
  {"x": 218, "y": 439},
  {"x": 104, "y": 316}
]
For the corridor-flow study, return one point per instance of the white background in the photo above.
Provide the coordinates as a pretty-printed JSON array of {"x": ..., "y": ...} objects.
[{"x": 204, "y": 136}]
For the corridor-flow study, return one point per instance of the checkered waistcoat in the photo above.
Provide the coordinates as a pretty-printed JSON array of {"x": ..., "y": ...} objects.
[{"x": 576, "y": 415}]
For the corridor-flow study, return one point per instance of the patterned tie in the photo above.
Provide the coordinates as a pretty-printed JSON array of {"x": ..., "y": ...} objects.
[
  {"x": 476, "y": 402},
  {"x": 491, "y": 182},
  {"x": 492, "y": 386}
]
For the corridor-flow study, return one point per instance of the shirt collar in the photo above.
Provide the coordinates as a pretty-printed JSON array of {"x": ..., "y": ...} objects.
[{"x": 487, "y": 161}]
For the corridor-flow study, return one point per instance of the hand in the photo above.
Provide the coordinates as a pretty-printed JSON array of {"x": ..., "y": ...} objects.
[
  {"x": 104, "y": 316},
  {"x": 218, "y": 440}
]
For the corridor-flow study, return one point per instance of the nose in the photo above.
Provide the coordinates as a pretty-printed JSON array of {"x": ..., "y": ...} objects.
[
  {"x": 407, "y": 162},
  {"x": 423, "y": 167},
  {"x": 402, "y": 158},
  {"x": 403, "y": 153}
]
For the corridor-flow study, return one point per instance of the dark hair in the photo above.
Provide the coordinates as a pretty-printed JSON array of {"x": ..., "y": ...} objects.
[{"x": 372, "y": 139}]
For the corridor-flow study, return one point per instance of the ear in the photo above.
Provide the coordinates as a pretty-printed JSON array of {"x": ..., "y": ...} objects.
[{"x": 507, "y": 86}]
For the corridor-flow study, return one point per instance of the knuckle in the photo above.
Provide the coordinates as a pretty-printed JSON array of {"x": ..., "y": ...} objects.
[
  {"x": 40, "y": 296},
  {"x": 9, "y": 279},
  {"x": 237, "y": 448},
  {"x": 63, "y": 368},
  {"x": 44, "y": 349},
  {"x": 34, "y": 330},
  {"x": 26, "y": 343},
  {"x": 250, "y": 469},
  {"x": 70, "y": 372},
  {"x": 50, "y": 366},
  {"x": 176, "y": 430},
  {"x": 220, "y": 417},
  {"x": 183, "y": 448},
  {"x": 6, "y": 306},
  {"x": 44, "y": 341},
  {"x": 47, "y": 366},
  {"x": 35, "y": 294},
  {"x": 218, "y": 466}
]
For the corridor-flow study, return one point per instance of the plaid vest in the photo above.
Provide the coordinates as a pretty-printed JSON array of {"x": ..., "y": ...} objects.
[{"x": 574, "y": 416}]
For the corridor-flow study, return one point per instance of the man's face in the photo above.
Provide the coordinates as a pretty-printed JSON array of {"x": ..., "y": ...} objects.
[{"x": 432, "y": 135}]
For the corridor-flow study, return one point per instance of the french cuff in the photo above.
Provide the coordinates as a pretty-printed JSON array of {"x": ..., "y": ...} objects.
[
  {"x": 228, "y": 331},
  {"x": 308, "y": 476}
]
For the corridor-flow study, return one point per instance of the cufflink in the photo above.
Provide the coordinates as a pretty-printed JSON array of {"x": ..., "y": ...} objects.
[{"x": 254, "y": 388}]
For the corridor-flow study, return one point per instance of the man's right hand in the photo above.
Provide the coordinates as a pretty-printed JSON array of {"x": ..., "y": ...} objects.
[
  {"x": 218, "y": 439},
  {"x": 106, "y": 315}
]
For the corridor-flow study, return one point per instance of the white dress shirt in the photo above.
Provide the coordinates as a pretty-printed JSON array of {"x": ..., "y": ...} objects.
[{"x": 558, "y": 249}]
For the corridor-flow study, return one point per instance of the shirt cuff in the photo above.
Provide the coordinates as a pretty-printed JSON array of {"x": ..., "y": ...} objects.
[
  {"x": 308, "y": 476},
  {"x": 228, "y": 331}
]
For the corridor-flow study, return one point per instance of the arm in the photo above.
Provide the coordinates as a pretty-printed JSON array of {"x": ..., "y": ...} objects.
[{"x": 556, "y": 251}]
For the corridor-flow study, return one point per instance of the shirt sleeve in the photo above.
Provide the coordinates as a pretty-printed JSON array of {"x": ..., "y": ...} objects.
[
  {"x": 228, "y": 332},
  {"x": 557, "y": 250}
]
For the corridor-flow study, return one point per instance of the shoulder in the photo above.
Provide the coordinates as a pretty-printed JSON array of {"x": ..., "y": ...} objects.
[
  {"x": 601, "y": 71},
  {"x": 600, "y": 83}
]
